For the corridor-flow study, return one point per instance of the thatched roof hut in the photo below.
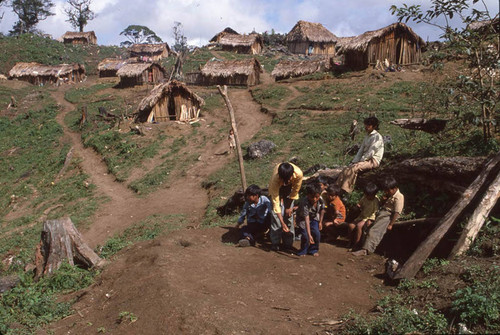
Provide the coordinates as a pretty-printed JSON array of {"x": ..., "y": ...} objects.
[
  {"x": 226, "y": 31},
  {"x": 245, "y": 44},
  {"x": 150, "y": 52},
  {"x": 244, "y": 72},
  {"x": 39, "y": 74},
  {"x": 397, "y": 43},
  {"x": 170, "y": 101},
  {"x": 493, "y": 24},
  {"x": 293, "y": 68},
  {"x": 76, "y": 37},
  {"x": 311, "y": 39},
  {"x": 109, "y": 66},
  {"x": 140, "y": 73}
]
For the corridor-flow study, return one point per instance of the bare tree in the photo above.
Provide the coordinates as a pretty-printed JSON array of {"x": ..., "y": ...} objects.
[{"x": 79, "y": 13}]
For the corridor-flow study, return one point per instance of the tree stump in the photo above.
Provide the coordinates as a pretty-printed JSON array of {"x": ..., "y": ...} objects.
[{"x": 61, "y": 242}]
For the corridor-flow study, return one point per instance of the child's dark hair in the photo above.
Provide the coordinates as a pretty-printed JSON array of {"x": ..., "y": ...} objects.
[
  {"x": 322, "y": 180},
  {"x": 389, "y": 182},
  {"x": 313, "y": 189},
  {"x": 253, "y": 190},
  {"x": 285, "y": 171},
  {"x": 372, "y": 121},
  {"x": 370, "y": 189},
  {"x": 333, "y": 190}
]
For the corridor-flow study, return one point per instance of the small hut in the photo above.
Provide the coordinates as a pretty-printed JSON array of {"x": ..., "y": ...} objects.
[
  {"x": 75, "y": 37},
  {"x": 486, "y": 26},
  {"x": 140, "y": 73},
  {"x": 289, "y": 68},
  {"x": 149, "y": 52},
  {"x": 39, "y": 74},
  {"x": 311, "y": 39},
  {"x": 244, "y": 44},
  {"x": 244, "y": 72},
  {"x": 170, "y": 101},
  {"x": 108, "y": 67},
  {"x": 397, "y": 43},
  {"x": 223, "y": 33}
]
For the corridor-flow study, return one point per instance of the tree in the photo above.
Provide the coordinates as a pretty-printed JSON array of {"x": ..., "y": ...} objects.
[
  {"x": 180, "y": 41},
  {"x": 79, "y": 13},
  {"x": 138, "y": 35},
  {"x": 30, "y": 12},
  {"x": 479, "y": 47}
]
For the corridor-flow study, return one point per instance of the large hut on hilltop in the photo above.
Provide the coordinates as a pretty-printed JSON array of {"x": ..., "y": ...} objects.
[
  {"x": 39, "y": 74},
  {"x": 140, "y": 73},
  {"x": 76, "y": 37},
  {"x": 243, "y": 44},
  {"x": 223, "y": 33},
  {"x": 170, "y": 101},
  {"x": 296, "y": 68},
  {"x": 397, "y": 43},
  {"x": 150, "y": 52},
  {"x": 311, "y": 39},
  {"x": 109, "y": 67},
  {"x": 245, "y": 72}
]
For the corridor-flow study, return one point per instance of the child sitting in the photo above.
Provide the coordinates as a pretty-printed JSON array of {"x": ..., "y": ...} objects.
[
  {"x": 310, "y": 217},
  {"x": 391, "y": 207},
  {"x": 257, "y": 210},
  {"x": 368, "y": 206},
  {"x": 334, "y": 213}
]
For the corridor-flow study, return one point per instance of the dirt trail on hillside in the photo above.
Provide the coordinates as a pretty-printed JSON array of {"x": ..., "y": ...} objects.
[{"x": 183, "y": 196}]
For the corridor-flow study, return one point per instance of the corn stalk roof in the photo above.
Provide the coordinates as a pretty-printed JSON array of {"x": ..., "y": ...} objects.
[
  {"x": 112, "y": 64},
  {"x": 240, "y": 40},
  {"x": 310, "y": 32},
  {"x": 36, "y": 69},
  {"x": 290, "y": 68},
  {"x": 478, "y": 25},
  {"x": 76, "y": 34},
  {"x": 161, "y": 90},
  {"x": 361, "y": 42},
  {"x": 136, "y": 69},
  {"x": 218, "y": 68},
  {"x": 226, "y": 31},
  {"x": 149, "y": 48}
]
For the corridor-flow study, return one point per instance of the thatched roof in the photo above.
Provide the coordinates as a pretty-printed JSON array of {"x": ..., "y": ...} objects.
[
  {"x": 311, "y": 32},
  {"x": 226, "y": 31},
  {"x": 160, "y": 90},
  {"x": 112, "y": 64},
  {"x": 361, "y": 42},
  {"x": 36, "y": 69},
  {"x": 149, "y": 48},
  {"x": 288, "y": 68},
  {"x": 136, "y": 69},
  {"x": 218, "y": 68},
  {"x": 240, "y": 40},
  {"x": 479, "y": 25},
  {"x": 70, "y": 35}
]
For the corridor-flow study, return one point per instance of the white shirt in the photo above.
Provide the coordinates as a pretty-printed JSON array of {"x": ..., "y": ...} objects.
[{"x": 372, "y": 147}]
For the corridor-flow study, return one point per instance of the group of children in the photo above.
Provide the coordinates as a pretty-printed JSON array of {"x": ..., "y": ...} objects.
[{"x": 321, "y": 214}]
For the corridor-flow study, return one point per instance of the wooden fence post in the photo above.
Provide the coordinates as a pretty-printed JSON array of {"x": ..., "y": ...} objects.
[{"x": 223, "y": 92}]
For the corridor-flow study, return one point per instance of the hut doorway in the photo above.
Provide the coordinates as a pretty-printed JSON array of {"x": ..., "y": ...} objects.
[
  {"x": 171, "y": 109},
  {"x": 399, "y": 51}
]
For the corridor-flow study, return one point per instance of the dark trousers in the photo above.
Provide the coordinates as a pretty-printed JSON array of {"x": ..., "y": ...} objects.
[
  {"x": 305, "y": 246},
  {"x": 253, "y": 230}
]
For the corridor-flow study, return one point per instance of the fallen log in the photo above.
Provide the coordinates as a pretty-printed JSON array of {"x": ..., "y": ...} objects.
[
  {"x": 477, "y": 219},
  {"x": 417, "y": 259},
  {"x": 61, "y": 242},
  {"x": 67, "y": 161},
  {"x": 432, "y": 126}
]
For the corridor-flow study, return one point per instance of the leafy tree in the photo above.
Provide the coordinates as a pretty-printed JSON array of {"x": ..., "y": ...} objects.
[
  {"x": 180, "y": 41},
  {"x": 479, "y": 47},
  {"x": 30, "y": 12},
  {"x": 138, "y": 35},
  {"x": 79, "y": 13}
]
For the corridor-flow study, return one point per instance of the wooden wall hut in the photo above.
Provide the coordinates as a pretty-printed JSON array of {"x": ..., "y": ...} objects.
[
  {"x": 39, "y": 74},
  {"x": 297, "y": 68},
  {"x": 226, "y": 31},
  {"x": 244, "y": 72},
  {"x": 397, "y": 43},
  {"x": 243, "y": 44},
  {"x": 311, "y": 39},
  {"x": 149, "y": 52},
  {"x": 170, "y": 101},
  {"x": 75, "y": 37},
  {"x": 108, "y": 67},
  {"x": 140, "y": 73}
]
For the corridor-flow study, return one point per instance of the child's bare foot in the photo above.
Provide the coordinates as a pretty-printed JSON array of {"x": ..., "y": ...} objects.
[{"x": 316, "y": 254}]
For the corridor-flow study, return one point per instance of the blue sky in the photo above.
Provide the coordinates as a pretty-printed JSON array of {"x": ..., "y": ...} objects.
[{"x": 202, "y": 19}]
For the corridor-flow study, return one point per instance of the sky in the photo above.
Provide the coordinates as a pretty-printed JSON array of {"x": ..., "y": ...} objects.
[{"x": 202, "y": 19}]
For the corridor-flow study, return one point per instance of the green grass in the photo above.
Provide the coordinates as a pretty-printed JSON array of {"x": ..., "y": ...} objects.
[
  {"x": 271, "y": 96},
  {"x": 196, "y": 59}
]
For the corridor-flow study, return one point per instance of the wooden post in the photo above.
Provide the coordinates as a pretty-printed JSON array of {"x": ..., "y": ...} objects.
[
  {"x": 223, "y": 92},
  {"x": 417, "y": 259},
  {"x": 477, "y": 219}
]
